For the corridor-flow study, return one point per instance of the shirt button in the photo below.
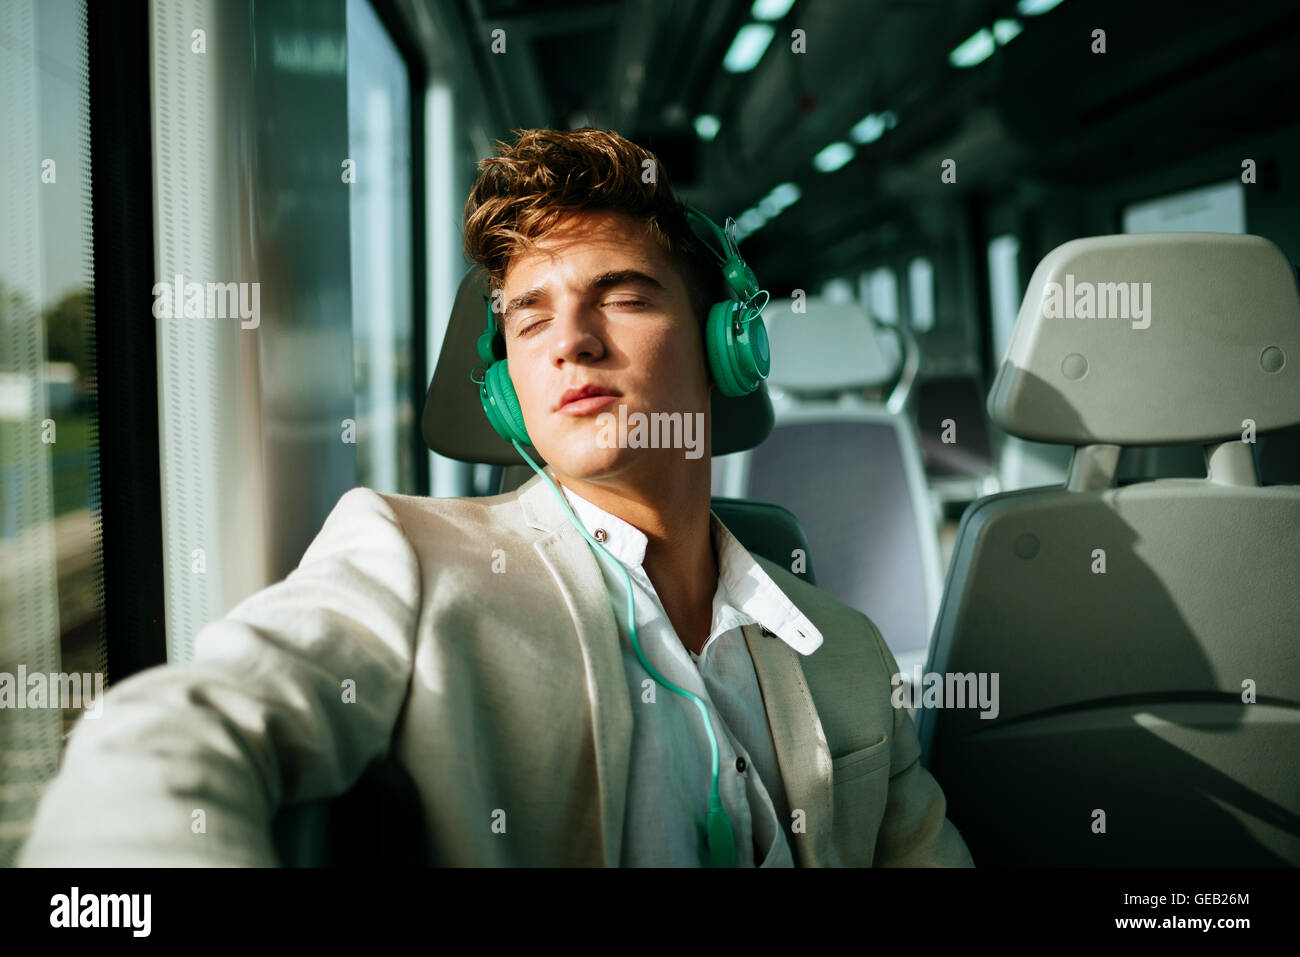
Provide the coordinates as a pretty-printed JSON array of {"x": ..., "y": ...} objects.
[
  {"x": 740, "y": 765},
  {"x": 601, "y": 534}
]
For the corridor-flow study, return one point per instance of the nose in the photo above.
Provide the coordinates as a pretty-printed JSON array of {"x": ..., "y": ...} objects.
[{"x": 578, "y": 331}]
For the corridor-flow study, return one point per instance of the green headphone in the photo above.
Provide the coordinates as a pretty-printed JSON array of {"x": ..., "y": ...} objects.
[{"x": 734, "y": 337}]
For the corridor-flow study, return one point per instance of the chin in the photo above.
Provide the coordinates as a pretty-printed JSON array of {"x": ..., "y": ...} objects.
[{"x": 580, "y": 457}]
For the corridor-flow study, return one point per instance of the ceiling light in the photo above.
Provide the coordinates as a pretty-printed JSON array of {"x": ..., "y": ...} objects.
[
  {"x": 1034, "y": 8},
  {"x": 787, "y": 194},
  {"x": 773, "y": 9},
  {"x": 872, "y": 127},
  {"x": 750, "y": 221},
  {"x": 976, "y": 48},
  {"x": 1004, "y": 31},
  {"x": 833, "y": 157},
  {"x": 748, "y": 47},
  {"x": 707, "y": 126}
]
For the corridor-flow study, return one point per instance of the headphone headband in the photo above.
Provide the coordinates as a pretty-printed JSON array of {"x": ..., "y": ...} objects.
[
  {"x": 694, "y": 215},
  {"x": 735, "y": 270}
]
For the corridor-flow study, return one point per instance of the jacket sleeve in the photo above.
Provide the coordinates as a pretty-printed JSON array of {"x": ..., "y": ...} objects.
[
  {"x": 915, "y": 831},
  {"x": 287, "y": 699}
]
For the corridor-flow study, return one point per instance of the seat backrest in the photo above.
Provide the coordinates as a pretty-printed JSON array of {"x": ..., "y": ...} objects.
[
  {"x": 956, "y": 442},
  {"x": 768, "y": 530},
  {"x": 953, "y": 405},
  {"x": 1143, "y": 637},
  {"x": 849, "y": 467}
]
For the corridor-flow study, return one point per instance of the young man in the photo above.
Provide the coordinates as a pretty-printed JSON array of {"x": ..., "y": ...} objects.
[{"x": 736, "y": 715}]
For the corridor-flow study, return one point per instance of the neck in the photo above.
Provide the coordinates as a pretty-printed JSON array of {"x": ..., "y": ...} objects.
[
  {"x": 668, "y": 500},
  {"x": 661, "y": 495}
]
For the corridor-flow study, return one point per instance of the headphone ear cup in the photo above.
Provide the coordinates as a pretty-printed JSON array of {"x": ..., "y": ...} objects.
[
  {"x": 716, "y": 334},
  {"x": 752, "y": 353},
  {"x": 502, "y": 404},
  {"x": 738, "y": 365}
]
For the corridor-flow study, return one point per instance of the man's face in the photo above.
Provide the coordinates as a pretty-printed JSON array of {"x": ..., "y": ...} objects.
[{"x": 597, "y": 304}]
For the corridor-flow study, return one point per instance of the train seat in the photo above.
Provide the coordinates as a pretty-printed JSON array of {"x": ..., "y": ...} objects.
[
  {"x": 1143, "y": 636},
  {"x": 849, "y": 466},
  {"x": 956, "y": 443}
]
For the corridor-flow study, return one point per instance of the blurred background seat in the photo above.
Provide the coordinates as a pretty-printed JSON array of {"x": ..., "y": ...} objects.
[
  {"x": 843, "y": 456},
  {"x": 1143, "y": 636}
]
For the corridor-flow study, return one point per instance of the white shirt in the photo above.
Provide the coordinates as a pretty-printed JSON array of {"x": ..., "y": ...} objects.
[{"x": 670, "y": 770}]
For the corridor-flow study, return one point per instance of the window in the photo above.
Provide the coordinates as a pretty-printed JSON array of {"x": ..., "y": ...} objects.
[
  {"x": 879, "y": 291},
  {"x": 379, "y": 146},
  {"x": 1004, "y": 290},
  {"x": 920, "y": 288},
  {"x": 1211, "y": 209},
  {"x": 837, "y": 290},
  {"x": 51, "y": 573}
]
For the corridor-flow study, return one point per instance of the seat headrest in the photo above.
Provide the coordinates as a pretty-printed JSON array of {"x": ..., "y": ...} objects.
[
  {"x": 454, "y": 424},
  {"x": 832, "y": 346},
  {"x": 1152, "y": 339}
]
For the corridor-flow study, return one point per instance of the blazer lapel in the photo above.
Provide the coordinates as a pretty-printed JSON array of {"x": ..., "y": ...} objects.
[
  {"x": 801, "y": 748},
  {"x": 570, "y": 561}
]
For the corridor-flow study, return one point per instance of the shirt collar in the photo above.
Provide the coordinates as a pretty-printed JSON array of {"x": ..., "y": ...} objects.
[{"x": 742, "y": 582}]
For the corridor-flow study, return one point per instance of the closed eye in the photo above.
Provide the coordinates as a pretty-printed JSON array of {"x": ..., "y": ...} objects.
[{"x": 629, "y": 303}]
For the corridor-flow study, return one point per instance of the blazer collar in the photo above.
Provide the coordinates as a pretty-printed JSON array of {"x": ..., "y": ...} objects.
[
  {"x": 750, "y": 588},
  {"x": 800, "y": 741}
]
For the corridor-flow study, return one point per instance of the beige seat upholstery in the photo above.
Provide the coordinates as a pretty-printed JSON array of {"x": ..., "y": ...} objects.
[{"x": 1144, "y": 637}]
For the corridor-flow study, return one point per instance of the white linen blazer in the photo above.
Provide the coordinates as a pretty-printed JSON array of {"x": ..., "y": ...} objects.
[{"x": 470, "y": 640}]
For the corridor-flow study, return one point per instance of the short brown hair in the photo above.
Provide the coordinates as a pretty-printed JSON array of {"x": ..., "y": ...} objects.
[{"x": 548, "y": 174}]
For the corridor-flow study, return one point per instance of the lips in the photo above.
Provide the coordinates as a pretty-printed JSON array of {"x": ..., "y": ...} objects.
[{"x": 585, "y": 392}]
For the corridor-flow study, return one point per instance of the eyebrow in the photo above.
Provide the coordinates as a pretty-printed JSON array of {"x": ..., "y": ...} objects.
[{"x": 617, "y": 277}]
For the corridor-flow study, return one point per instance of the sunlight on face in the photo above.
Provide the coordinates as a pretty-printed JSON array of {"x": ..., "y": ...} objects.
[{"x": 595, "y": 303}]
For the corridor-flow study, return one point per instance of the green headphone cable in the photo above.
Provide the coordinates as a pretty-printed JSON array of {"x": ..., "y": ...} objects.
[{"x": 721, "y": 838}]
